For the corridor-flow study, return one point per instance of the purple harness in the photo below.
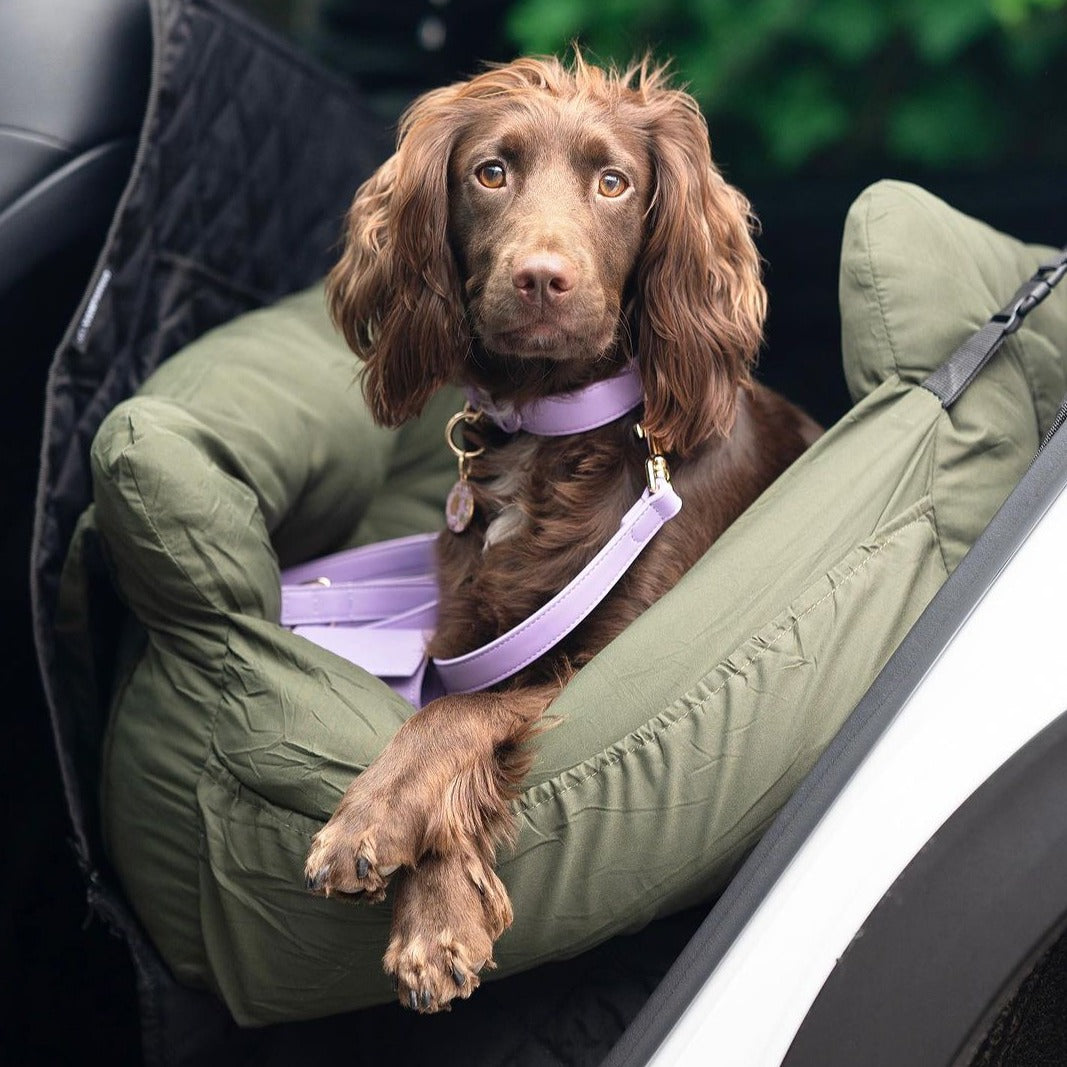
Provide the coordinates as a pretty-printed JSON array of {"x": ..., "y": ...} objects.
[{"x": 377, "y": 605}]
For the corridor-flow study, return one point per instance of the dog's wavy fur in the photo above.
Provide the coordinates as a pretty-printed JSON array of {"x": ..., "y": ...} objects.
[
  {"x": 423, "y": 279},
  {"x": 397, "y": 295}
]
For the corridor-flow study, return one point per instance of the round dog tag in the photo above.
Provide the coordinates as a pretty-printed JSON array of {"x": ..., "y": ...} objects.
[{"x": 459, "y": 507}]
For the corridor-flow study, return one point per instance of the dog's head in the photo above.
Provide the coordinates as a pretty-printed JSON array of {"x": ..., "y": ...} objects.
[{"x": 537, "y": 225}]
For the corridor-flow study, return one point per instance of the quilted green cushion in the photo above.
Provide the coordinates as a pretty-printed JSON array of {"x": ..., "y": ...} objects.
[{"x": 231, "y": 740}]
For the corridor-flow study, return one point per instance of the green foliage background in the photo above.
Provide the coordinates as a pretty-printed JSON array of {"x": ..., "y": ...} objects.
[{"x": 839, "y": 85}]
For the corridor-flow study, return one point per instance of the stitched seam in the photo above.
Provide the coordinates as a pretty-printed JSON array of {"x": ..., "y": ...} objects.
[
  {"x": 935, "y": 465},
  {"x": 357, "y": 601},
  {"x": 25, "y": 133},
  {"x": 237, "y": 19},
  {"x": 1015, "y": 351},
  {"x": 212, "y": 746},
  {"x": 877, "y": 287},
  {"x": 734, "y": 672},
  {"x": 107, "y": 747},
  {"x": 131, "y": 471},
  {"x": 556, "y": 414}
]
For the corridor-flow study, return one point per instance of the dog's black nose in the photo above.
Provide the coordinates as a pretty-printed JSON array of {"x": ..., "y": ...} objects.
[{"x": 543, "y": 278}]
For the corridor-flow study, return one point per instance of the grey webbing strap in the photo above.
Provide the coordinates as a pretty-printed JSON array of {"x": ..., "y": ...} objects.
[{"x": 959, "y": 370}]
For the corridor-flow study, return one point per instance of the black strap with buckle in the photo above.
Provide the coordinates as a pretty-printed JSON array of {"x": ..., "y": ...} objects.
[{"x": 959, "y": 370}]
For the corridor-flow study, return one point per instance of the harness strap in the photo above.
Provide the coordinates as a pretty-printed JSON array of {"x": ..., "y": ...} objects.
[
  {"x": 521, "y": 645},
  {"x": 361, "y": 584},
  {"x": 959, "y": 370},
  {"x": 393, "y": 645}
]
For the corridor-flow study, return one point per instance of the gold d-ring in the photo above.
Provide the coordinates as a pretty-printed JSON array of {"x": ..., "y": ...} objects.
[{"x": 469, "y": 416}]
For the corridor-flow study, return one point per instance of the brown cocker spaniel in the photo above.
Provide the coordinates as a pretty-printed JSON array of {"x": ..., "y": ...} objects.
[{"x": 538, "y": 227}]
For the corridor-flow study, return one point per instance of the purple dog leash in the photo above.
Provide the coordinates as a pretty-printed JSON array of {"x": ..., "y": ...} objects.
[{"x": 376, "y": 605}]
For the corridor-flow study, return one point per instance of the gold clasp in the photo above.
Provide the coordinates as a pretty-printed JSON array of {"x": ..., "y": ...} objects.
[
  {"x": 459, "y": 506},
  {"x": 468, "y": 416},
  {"x": 656, "y": 470}
]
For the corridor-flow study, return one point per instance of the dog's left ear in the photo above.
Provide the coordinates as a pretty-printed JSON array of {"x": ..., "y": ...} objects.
[{"x": 700, "y": 302}]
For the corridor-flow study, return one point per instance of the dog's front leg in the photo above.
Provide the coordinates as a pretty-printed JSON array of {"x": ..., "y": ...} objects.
[
  {"x": 447, "y": 914},
  {"x": 443, "y": 784},
  {"x": 451, "y": 908}
]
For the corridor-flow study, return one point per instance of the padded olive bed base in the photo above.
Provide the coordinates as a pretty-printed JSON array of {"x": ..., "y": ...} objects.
[{"x": 231, "y": 740}]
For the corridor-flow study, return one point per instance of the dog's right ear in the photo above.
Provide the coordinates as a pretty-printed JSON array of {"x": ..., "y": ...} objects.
[{"x": 395, "y": 294}]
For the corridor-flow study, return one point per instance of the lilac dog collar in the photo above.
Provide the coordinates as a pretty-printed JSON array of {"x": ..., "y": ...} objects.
[{"x": 554, "y": 416}]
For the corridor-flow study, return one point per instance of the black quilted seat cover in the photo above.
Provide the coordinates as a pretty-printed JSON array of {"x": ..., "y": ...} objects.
[{"x": 248, "y": 158}]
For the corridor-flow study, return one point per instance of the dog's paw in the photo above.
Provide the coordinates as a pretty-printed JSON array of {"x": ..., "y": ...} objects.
[
  {"x": 448, "y": 913},
  {"x": 349, "y": 863},
  {"x": 428, "y": 974}
]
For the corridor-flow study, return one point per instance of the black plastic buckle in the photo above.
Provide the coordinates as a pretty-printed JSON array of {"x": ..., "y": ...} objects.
[{"x": 1030, "y": 295}]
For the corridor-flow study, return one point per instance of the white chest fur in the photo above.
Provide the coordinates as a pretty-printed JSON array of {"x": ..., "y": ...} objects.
[{"x": 507, "y": 493}]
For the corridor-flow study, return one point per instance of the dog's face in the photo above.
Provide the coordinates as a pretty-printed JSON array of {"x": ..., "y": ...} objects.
[
  {"x": 547, "y": 213},
  {"x": 537, "y": 219}
]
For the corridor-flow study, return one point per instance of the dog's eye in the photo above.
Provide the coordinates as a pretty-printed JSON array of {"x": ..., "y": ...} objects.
[
  {"x": 491, "y": 175},
  {"x": 612, "y": 184}
]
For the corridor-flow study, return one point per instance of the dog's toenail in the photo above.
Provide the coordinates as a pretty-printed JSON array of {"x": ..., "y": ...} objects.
[
  {"x": 362, "y": 866},
  {"x": 316, "y": 881},
  {"x": 459, "y": 977},
  {"x": 413, "y": 1000},
  {"x": 427, "y": 998}
]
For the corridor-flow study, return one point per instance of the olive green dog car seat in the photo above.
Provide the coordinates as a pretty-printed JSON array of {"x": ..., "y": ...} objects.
[{"x": 231, "y": 740}]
